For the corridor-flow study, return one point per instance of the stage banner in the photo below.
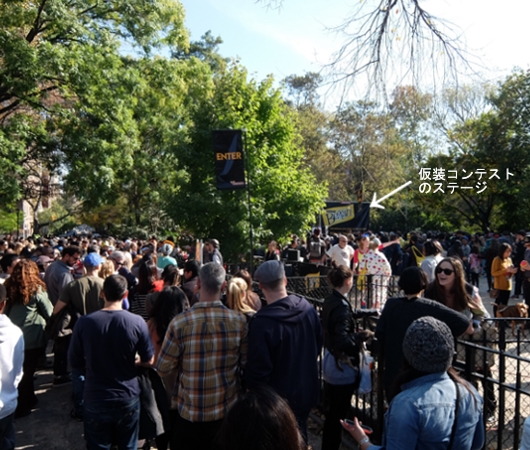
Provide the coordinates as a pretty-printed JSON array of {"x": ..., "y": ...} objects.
[
  {"x": 343, "y": 216},
  {"x": 229, "y": 163}
]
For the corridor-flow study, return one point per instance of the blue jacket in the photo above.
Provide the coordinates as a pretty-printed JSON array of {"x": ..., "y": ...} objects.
[
  {"x": 421, "y": 416},
  {"x": 284, "y": 342}
]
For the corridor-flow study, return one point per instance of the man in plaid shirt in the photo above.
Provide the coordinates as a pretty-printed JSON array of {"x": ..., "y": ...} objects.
[{"x": 201, "y": 357}]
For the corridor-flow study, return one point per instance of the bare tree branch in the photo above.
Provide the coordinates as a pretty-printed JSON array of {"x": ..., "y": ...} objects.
[{"x": 395, "y": 42}]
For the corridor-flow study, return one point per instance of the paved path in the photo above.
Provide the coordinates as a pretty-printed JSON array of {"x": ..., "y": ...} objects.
[{"x": 49, "y": 426}]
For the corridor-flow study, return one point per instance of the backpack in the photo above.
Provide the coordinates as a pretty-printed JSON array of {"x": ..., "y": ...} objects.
[{"x": 315, "y": 247}]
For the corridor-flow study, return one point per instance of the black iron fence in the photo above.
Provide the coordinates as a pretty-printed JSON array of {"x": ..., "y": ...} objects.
[
  {"x": 368, "y": 291},
  {"x": 496, "y": 359}
]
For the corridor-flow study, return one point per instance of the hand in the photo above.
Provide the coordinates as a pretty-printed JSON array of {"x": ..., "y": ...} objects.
[{"x": 355, "y": 430}]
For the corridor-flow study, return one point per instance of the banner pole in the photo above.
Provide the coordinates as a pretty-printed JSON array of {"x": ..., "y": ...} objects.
[{"x": 247, "y": 164}]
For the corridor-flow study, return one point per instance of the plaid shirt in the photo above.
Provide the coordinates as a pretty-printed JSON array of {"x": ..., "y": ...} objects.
[{"x": 206, "y": 345}]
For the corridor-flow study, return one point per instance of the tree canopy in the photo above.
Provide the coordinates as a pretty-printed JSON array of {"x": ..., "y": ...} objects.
[{"x": 88, "y": 107}]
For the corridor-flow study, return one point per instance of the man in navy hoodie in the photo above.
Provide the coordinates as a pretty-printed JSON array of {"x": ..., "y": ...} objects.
[{"x": 284, "y": 341}]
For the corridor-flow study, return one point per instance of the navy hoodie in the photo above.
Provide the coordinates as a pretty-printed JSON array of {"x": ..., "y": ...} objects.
[{"x": 284, "y": 342}]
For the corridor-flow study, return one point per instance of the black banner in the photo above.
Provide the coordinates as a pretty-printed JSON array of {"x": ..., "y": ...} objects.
[
  {"x": 346, "y": 216},
  {"x": 229, "y": 162}
]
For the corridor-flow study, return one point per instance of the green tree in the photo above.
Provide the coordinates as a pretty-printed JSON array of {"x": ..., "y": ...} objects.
[
  {"x": 284, "y": 196},
  {"x": 495, "y": 140},
  {"x": 368, "y": 141},
  {"x": 141, "y": 160},
  {"x": 313, "y": 126},
  {"x": 54, "y": 56}
]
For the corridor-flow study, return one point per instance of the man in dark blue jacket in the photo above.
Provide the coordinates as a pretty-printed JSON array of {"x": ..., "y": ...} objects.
[{"x": 284, "y": 341}]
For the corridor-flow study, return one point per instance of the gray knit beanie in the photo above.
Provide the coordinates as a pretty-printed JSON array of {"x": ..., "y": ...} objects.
[{"x": 429, "y": 345}]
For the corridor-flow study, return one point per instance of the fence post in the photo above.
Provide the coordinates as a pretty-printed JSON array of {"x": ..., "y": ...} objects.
[
  {"x": 517, "y": 415},
  {"x": 502, "y": 379}
]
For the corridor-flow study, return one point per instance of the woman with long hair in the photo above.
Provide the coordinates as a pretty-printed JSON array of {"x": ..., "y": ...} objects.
[
  {"x": 260, "y": 420},
  {"x": 107, "y": 269},
  {"x": 170, "y": 302},
  {"x": 451, "y": 289},
  {"x": 341, "y": 358},
  {"x": 170, "y": 277},
  {"x": 29, "y": 308},
  {"x": 252, "y": 299},
  {"x": 503, "y": 270},
  {"x": 148, "y": 281},
  {"x": 272, "y": 252},
  {"x": 432, "y": 407},
  {"x": 236, "y": 294}
]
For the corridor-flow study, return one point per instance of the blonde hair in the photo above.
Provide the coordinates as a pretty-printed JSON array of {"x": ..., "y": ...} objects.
[
  {"x": 107, "y": 268},
  {"x": 373, "y": 245},
  {"x": 237, "y": 294},
  {"x": 19, "y": 246}
]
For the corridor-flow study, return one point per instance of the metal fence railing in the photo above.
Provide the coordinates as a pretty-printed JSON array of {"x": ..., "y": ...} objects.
[
  {"x": 495, "y": 359},
  {"x": 368, "y": 291}
]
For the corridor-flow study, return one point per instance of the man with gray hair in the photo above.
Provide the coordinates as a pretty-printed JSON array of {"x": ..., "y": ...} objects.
[
  {"x": 285, "y": 340},
  {"x": 119, "y": 260},
  {"x": 341, "y": 253},
  {"x": 200, "y": 361}
]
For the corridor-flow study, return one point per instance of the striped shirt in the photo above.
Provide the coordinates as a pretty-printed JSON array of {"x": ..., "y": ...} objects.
[{"x": 207, "y": 346}]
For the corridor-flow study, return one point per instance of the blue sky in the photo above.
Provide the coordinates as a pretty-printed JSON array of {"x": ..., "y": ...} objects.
[
  {"x": 294, "y": 39},
  {"x": 291, "y": 40}
]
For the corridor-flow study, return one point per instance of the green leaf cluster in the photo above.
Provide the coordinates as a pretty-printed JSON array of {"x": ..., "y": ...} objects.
[{"x": 284, "y": 196}]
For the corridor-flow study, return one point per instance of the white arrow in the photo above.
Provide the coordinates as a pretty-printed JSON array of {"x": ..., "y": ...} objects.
[{"x": 375, "y": 202}]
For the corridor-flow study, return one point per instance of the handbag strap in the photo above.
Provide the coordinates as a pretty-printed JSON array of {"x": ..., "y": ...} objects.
[{"x": 457, "y": 407}]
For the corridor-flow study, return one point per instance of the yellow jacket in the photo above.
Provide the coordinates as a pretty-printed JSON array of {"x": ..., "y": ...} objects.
[{"x": 502, "y": 278}]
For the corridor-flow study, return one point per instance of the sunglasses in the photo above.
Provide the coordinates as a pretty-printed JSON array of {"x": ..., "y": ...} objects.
[{"x": 446, "y": 271}]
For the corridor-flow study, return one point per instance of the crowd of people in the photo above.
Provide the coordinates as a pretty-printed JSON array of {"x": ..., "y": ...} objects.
[
  {"x": 143, "y": 326},
  {"x": 122, "y": 315}
]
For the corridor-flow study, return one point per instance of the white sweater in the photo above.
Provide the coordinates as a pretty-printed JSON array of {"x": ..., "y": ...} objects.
[{"x": 11, "y": 359}]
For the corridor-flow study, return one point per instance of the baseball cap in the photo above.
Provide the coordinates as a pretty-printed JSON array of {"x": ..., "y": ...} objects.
[
  {"x": 92, "y": 260},
  {"x": 269, "y": 272}
]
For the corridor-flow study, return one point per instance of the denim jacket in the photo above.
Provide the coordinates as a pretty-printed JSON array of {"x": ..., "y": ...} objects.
[{"x": 422, "y": 416}]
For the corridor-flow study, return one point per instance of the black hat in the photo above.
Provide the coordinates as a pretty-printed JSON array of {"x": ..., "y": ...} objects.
[{"x": 428, "y": 345}]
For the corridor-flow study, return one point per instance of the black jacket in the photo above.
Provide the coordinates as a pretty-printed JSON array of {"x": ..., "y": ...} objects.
[
  {"x": 284, "y": 342},
  {"x": 338, "y": 321}
]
